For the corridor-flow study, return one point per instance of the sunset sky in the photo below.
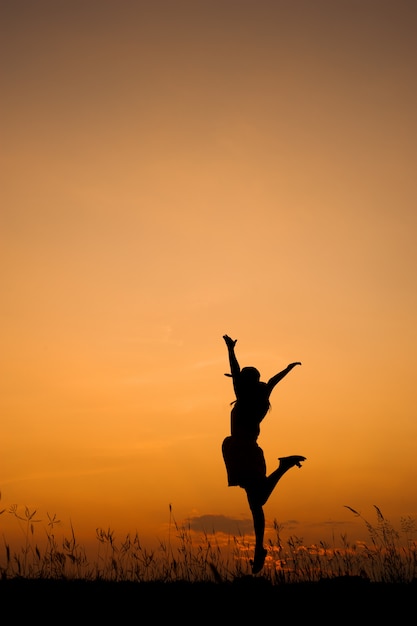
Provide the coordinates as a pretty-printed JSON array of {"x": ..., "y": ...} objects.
[{"x": 172, "y": 171}]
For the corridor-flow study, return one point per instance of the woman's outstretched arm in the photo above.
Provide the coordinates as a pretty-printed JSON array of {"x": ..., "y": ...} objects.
[
  {"x": 276, "y": 379},
  {"x": 234, "y": 365}
]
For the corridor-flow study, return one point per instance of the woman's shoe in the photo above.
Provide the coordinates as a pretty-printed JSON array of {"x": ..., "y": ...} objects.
[{"x": 285, "y": 462}]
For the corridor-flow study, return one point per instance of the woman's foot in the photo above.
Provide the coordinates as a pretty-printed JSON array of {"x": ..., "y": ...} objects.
[
  {"x": 259, "y": 560},
  {"x": 286, "y": 462}
]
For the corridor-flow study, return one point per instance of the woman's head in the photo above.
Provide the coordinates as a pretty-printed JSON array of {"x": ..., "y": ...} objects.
[{"x": 249, "y": 375}]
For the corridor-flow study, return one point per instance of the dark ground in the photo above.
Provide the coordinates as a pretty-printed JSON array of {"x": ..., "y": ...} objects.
[{"x": 245, "y": 600}]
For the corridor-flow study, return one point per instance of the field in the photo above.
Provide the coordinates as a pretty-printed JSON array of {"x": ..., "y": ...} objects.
[{"x": 192, "y": 582}]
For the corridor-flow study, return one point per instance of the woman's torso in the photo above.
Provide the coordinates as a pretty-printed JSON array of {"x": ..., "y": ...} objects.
[{"x": 248, "y": 412}]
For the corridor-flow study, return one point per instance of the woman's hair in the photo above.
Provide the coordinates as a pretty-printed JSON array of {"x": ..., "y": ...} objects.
[
  {"x": 251, "y": 387},
  {"x": 250, "y": 375}
]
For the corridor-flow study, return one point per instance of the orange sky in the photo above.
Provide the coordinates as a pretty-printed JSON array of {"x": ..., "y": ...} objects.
[{"x": 173, "y": 171}]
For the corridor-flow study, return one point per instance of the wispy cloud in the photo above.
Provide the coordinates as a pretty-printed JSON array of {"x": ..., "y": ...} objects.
[{"x": 212, "y": 524}]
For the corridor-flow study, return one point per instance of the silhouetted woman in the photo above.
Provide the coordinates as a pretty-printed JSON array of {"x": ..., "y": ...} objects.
[{"x": 244, "y": 459}]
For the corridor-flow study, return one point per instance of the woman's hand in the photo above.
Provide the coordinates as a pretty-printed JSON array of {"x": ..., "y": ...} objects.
[{"x": 230, "y": 343}]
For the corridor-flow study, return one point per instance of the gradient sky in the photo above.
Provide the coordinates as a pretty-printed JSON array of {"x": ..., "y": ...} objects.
[{"x": 172, "y": 171}]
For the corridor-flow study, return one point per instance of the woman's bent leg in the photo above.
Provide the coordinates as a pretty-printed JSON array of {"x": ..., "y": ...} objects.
[{"x": 285, "y": 463}]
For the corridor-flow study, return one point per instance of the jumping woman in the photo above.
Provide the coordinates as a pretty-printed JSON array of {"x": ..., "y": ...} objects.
[{"x": 243, "y": 457}]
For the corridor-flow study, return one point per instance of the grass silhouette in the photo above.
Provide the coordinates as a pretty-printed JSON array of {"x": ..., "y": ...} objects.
[
  {"x": 187, "y": 579},
  {"x": 390, "y": 556}
]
